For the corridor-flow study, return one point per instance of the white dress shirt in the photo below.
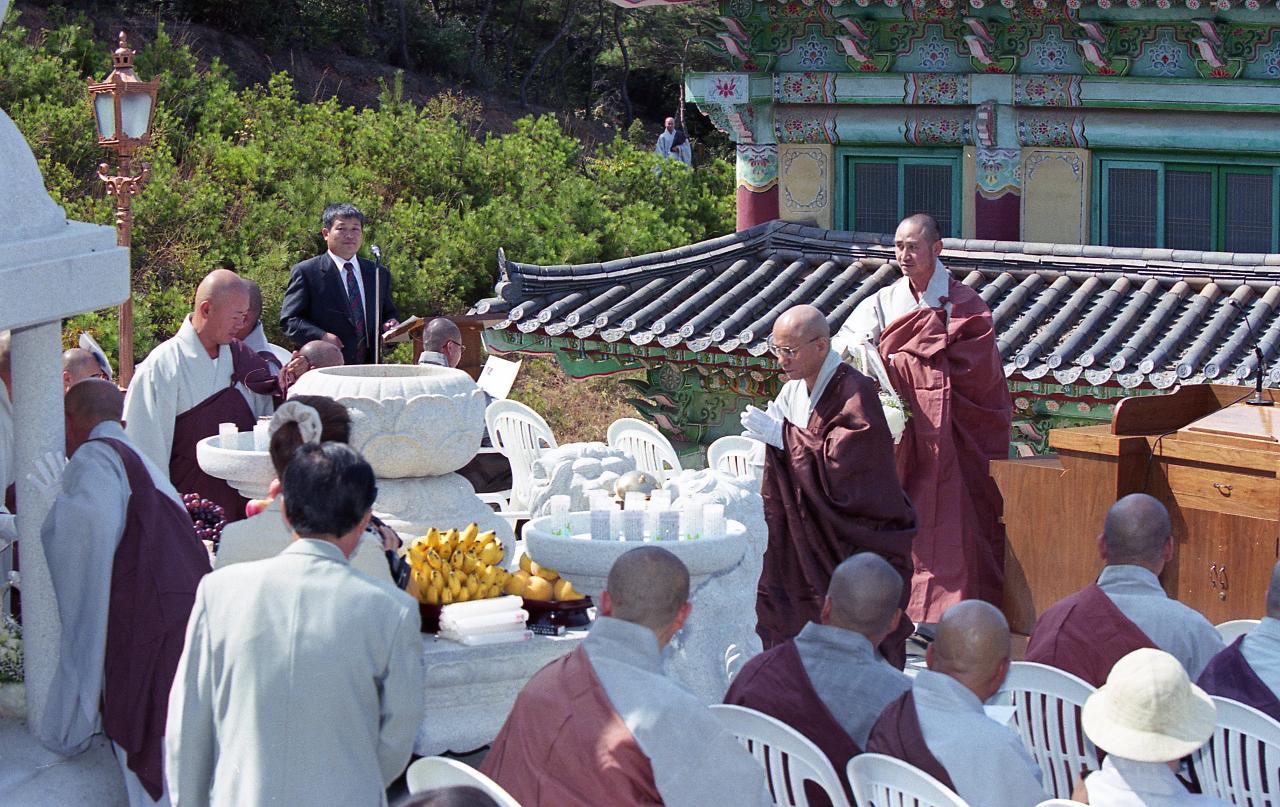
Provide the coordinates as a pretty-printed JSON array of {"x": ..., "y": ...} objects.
[
  {"x": 987, "y": 762},
  {"x": 1261, "y": 649},
  {"x": 875, "y": 313},
  {"x": 342, "y": 274},
  {"x": 1127, "y": 783},
  {"x": 1175, "y": 628}
]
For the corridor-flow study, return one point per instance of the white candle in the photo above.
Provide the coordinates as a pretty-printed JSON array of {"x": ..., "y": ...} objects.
[
  {"x": 227, "y": 435},
  {"x": 713, "y": 520},
  {"x": 559, "y": 515},
  {"x": 691, "y": 519},
  {"x": 261, "y": 437},
  {"x": 600, "y": 509}
]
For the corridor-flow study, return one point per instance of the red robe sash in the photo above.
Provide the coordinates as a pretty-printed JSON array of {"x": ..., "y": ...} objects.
[
  {"x": 1085, "y": 635},
  {"x": 776, "y": 683},
  {"x": 1229, "y": 675},
  {"x": 897, "y": 734},
  {"x": 201, "y": 421},
  {"x": 833, "y": 492},
  {"x": 948, "y": 373},
  {"x": 563, "y": 745},
  {"x": 156, "y": 569}
]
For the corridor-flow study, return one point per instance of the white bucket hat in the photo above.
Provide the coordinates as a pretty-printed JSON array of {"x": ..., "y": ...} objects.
[{"x": 1149, "y": 710}]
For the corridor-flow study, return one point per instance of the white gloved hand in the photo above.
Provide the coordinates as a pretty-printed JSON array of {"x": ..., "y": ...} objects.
[
  {"x": 764, "y": 426},
  {"x": 47, "y": 475}
]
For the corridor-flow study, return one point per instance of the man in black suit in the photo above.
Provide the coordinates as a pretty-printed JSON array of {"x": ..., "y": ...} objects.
[{"x": 331, "y": 296}]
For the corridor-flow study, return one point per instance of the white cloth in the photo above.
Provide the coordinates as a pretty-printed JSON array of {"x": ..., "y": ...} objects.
[
  {"x": 849, "y": 676},
  {"x": 695, "y": 761},
  {"x": 80, "y": 535},
  {"x": 1175, "y": 628},
  {"x": 175, "y": 377},
  {"x": 682, "y": 152},
  {"x": 795, "y": 400},
  {"x": 265, "y": 535},
  {"x": 986, "y": 761},
  {"x": 300, "y": 683},
  {"x": 874, "y": 314},
  {"x": 7, "y": 474},
  {"x": 1126, "y": 783},
  {"x": 1261, "y": 650},
  {"x": 340, "y": 263},
  {"x": 433, "y": 357}
]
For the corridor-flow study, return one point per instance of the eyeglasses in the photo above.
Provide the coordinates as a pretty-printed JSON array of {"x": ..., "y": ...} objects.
[
  {"x": 788, "y": 352},
  {"x": 461, "y": 347}
]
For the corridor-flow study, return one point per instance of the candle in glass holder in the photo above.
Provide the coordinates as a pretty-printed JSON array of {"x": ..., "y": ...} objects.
[
  {"x": 713, "y": 520},
  {"x": 559, "y": 515},
  {"x": 633, "y": 516},
  {"x": 601, "y": 507},
  {"x": 261, "y": 436},
  {"x": 615, "y": 526},
  {"x": 227, "y": 435},
  {"x": 691, "y": 519},
  {"x": 668, "y": 525}
]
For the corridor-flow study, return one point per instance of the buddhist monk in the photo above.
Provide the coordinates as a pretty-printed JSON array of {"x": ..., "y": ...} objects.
[
  {"x": 1127, "y": 608},
  {"x": 1249, "y": 669},
  {"x": 936, "y": 340},
  {"x": 940, "y": 726},
  {"x": 77, "y": 365},
  {"x": 829, "y": 683},
  {"x": 830, "y": 488},
  {"x": 194, "y": 381},
  {"x": 603, "y": 725}
]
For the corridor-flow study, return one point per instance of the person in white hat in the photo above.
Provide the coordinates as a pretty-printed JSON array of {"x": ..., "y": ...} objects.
[{"x": 1146, "y": 717}]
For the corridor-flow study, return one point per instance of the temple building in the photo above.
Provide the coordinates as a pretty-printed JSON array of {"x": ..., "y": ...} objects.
[{"x": 1108, "y": 175}]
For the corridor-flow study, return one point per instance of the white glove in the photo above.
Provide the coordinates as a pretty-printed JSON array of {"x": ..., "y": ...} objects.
[
  {"x": 47, "y": 475},
  {"x": 764, "y": 426}
]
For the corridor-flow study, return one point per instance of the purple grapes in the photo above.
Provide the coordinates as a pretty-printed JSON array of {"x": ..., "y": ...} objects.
[{"x": 207, "y": 518}]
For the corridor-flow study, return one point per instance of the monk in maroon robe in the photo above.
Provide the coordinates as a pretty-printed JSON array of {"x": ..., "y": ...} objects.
[
  {"x": 1247, "y": 669},
  {"x": 830, "y": 488},
  {"x": 937, "y": 342}
]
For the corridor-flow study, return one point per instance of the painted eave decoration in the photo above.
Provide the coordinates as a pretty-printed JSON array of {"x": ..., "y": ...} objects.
[{"x": 1063, "y": 312}]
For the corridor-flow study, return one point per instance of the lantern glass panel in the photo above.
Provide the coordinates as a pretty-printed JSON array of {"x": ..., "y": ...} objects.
[
  {"x": 135, "y": 113},
  {"x": 105, "y": 113}
]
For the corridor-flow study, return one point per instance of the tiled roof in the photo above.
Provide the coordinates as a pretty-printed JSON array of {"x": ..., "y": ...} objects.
[{"x": 1088, "y": 313}]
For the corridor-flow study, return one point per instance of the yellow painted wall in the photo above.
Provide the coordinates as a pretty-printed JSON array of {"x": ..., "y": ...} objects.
[
  {"x": 807, "y": 183},
  {"x": 1055, "y": 195}
]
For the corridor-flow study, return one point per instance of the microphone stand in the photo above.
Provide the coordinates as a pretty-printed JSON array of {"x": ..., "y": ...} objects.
[
  {"x": 377, "y": 304},
  {"x": 1257, "y": 399}
]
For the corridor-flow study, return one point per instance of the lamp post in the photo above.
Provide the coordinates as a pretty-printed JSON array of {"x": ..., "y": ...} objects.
[{"x": 123, "y": 107}]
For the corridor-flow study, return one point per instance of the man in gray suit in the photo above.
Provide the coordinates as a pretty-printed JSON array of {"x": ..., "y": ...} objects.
[{"x": 301, "y": 679}]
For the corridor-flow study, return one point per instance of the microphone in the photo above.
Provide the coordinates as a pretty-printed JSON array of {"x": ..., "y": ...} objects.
[
  {"x": 1257, "y": 399},
  {"x": 377, "y": 304},
  {"x": 377, "y": 253}
]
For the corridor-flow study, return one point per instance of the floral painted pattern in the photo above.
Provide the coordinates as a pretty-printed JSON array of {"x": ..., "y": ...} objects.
[
  {"x": 1164, "y": 57},
  {"x": 757, "y": 167},
  {"x": 937, "y": 88},
  {"x": 1041, "y": 90},
  {"x": 938, "y": 129},
  {"x": 999, "y": 172},
  {"x": 815, "y": 52},
  {"x": 804, "y": 88},
  {"x": 1053, "y": 54},
  {"x": 799, "y": 128},
  {"x": 1056, "y": 132}
]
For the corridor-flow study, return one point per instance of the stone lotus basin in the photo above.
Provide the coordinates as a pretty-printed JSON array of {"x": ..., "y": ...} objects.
[
  {"x": 408, "y": 421},
  {"x": 586, "y": 563},
  {"x": 249, "y": 472}
]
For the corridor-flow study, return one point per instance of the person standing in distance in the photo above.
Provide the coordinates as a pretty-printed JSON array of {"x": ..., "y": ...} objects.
[{"x": 331, "y": 296}]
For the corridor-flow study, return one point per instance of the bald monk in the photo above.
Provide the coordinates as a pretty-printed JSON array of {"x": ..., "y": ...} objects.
[
  {"x": 1248, "y": 670},
  {"x": 124, "y": 563},
  {"x": 252, "y": 334},
  {"x": 939, "y": 725},
  {"x": 829, "y": 683},
  {"x": 603, "y": 725},
  {"x": 77, "y": 365},
  {"x": 194, "y": 381},
  {"x": 936, "y": 339},
  {"x": 441, "y": 343},
  {"x": 1126, "y": 609},
  {"x": 830, "y": 488}
]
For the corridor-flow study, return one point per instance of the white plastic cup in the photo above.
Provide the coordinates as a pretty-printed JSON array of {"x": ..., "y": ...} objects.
[
  {"x": 227, "y": 434},
  {"x": 559, "y": 515},
  {"x": 713, "y": 520},
  {"x": 261, "y": 436}
]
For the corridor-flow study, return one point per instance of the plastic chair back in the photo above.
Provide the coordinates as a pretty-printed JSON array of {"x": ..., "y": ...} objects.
[
  {"x": 430, "y": 773},
  {"x": 882, "y": 781},
  {"x": 1241, "y": 761},
  {"x": 789, "y": 758},
  {"x": 521, "y": 434},
  {"x": 1235, "y": 628},
  {"x": 732, "y": 455},
  {"x": 283, "y": 356},
  {"x": 652, "y": 451},
  {"x": 1047, "y": 703}
]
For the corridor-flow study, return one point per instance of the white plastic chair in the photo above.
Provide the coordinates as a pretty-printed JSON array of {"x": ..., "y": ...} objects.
[
  {"x": 430, "y": 773},
  {"x": 731, "y": 454},
  {"x": 521, "y": 434},
  {"x": 882, "y": 781},
  {"x": 789, "y": 758},
  {"x": 283, "y": 356},
  {"x": 1241, "y": 761},
  {"x": 1047, "y": 703},
  {"x": 652, "y": 451},
  {"x": 1235, "y": 628}
]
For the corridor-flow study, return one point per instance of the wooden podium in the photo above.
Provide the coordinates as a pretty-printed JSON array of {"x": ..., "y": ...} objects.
[{"x": 1213, "y": 462}]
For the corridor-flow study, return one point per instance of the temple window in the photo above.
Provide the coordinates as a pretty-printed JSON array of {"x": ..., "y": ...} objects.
[{"x": 877, "y": 188}]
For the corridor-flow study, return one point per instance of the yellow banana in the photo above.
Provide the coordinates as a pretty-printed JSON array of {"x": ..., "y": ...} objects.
[
  {"x": 470, "y": 532},
  {"x": 433, "y": 559},
  {"x": 470, "y": 562},
  {"x": 431, "y": 596},
  {"x": 433, "y": 538},
  {"x": 455, "y": 582},
  {"x": 446, "y": 597},
  {"x": 491, "y": 553},
  {"x": 418, "y": 552}
]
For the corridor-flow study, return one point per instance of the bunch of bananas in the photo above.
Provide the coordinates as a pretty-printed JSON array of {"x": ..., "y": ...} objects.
[
  {"x": 456, "y": 566},
  {"x": 540, "y": 583}
]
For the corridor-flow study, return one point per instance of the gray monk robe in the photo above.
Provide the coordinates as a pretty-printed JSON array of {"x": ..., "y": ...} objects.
[
  {"x": 604, "y": 726},
  {"x": 832, "y": 492}
]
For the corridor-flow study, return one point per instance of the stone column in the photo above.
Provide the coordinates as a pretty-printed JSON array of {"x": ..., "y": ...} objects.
[
  {"x": 757, "y": 170},
  {"x": 38, "y": 428}
]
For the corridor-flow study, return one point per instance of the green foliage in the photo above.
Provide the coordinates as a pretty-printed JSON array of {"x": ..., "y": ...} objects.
[{"x": 239, "y": 177}]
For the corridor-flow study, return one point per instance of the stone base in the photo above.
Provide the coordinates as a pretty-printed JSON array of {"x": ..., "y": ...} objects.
[
  {"x": 412, "y": 506},
  {"x": 33, "y": 776}
]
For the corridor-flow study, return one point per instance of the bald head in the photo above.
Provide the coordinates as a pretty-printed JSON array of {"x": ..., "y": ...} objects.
[
  {"x": 925, "y": 225},
  {"x": 972, "y": 646},
  {"x": 320, "y": 353},
  {"x": 222, "y": 304},
  {"x": 87, "y": 404},
  {"x": 438, "y": 333},
  {"x": 254, "y": 314},
  {"x": 77, "y": 365},
  {"x": 1137, "y": 532},
  {"x": 802, "y": 322},
  {"x": 863, "y": 596},
  {"x": 219, "y": 284},
  {"x": 648, "y": 586}
]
